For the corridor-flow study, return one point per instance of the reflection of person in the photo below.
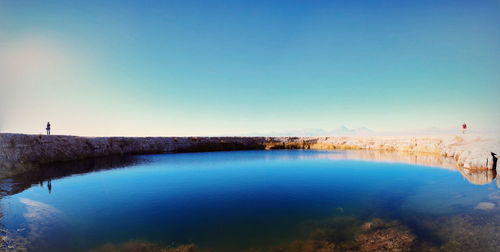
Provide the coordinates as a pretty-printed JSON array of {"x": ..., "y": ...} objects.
[
  {"x": 464, "y": 127},
  {"x": 48, "y": 128},
  {"x": 49, "y": 185}
]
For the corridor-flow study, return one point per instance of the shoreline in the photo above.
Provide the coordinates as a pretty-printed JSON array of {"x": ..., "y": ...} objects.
[{"x": 20, "y": 153}]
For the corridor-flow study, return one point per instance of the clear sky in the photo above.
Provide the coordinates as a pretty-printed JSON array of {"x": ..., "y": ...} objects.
[{"x": 234, "y": 67}]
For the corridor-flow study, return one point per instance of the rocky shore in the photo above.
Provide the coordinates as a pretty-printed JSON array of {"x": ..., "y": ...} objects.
[{"x": 20, "y": 152}]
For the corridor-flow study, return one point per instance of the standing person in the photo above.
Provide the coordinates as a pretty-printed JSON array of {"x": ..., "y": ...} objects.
[
  {"x": 464, "y": 127},
  {"x": 495, "y": 160},
  {"x": 48, "y": 128}
]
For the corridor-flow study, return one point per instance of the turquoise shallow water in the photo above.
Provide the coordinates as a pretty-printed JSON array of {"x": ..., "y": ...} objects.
[{"x": 232, "y": 201}]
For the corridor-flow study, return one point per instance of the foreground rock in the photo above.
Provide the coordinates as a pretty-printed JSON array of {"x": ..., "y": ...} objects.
[
  {"x": 476, "y": 231},
  {"x": 385, "y": 236},
  {"x": 339, "y": 235},
  {"x": 485, "y": 206},
  {"x": 143, "y": 246}
]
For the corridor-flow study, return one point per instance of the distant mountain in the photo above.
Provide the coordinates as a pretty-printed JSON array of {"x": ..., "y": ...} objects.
[{"x": 345, "y": 131}]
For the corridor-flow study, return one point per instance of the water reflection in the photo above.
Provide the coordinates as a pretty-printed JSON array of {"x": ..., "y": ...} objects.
[
  {"x": 392, "y": 157},
  {"x": 478, "y": 177},
  {"x": 46, "y": 173},
  {"x": 49, "y": 185}
]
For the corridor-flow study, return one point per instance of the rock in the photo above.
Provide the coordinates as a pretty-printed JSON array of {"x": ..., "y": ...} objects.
[
  {"x": 485, "y": 206},
  {"x": 310, "y": 246},
  {"x": 473, "y": 231},
  {"x": 494, "y": 195},
  {"x": 143, "y": 246},
  {"x": 385, "y": 236},
  {"x": 19, "y": 151},
  {"x": 367, "y": 226}
]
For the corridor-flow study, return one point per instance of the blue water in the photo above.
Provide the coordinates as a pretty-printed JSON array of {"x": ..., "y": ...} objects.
[{"x": 229, "y": 201}]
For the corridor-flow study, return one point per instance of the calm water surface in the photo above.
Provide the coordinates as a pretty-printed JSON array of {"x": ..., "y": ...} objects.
[{"x": 233, "y": 201}]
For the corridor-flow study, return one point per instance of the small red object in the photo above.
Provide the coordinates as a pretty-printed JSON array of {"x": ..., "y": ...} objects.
[{"x": 464, "y": 126}]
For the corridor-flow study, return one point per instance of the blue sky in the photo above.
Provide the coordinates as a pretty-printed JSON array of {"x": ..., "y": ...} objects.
[{"x": 234, "y": 67}]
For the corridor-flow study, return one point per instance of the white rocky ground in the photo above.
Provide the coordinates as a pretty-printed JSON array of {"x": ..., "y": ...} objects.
[
  {"x": 469, "y": 151},
  {"x": 19, "y": 151}
]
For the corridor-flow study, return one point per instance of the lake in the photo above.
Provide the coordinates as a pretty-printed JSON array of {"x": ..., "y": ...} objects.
[{"x": 296, "y": 200}]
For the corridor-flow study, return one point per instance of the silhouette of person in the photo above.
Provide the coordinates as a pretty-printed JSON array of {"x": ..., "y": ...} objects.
[
  {"x": 464, "y": 127},
  {"x": 48, "y": 128},
  {"x": 495, "y": 159},
  {"x": 49, "y": 185}
]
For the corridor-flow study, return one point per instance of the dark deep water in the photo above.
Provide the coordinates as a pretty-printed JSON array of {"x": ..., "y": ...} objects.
[{"x": 234, "y": 201}]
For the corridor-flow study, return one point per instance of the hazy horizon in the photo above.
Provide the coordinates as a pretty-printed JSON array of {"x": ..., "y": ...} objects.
[
  {"x": 127, "y": 68},
  {"x": 316, "y": 132}
]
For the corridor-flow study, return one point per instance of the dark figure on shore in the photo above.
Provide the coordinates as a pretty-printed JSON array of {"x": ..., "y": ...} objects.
[
  {"x": 464, "y": 127},
  {"x": 495, "y": 159},
  {"x": 48, "y": 128},
  {"x": 49, "y": 185}
]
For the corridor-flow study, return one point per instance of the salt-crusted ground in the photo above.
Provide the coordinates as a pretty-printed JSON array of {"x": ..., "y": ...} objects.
[
  {"x": 18, "y": 152},
  {"x": 469, "y": 151}
]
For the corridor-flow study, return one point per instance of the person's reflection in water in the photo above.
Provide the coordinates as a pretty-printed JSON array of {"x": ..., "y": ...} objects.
[
  {"x": 41, "y": 183},
  {"x": 49, "y": 185}
]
